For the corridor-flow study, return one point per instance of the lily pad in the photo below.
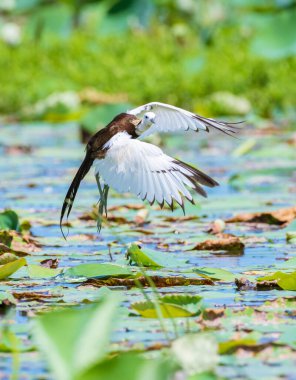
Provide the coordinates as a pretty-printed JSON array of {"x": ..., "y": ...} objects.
[
  {"x": 215, "y": 274},
  {"x": 171, "y": 306},
  {"x": 149, "y": 257},
  {"x": 9, "y": 220},
  {"x": 286, "y": 281},
  {"x": 7, "y": 269},
  {"x": 98, "y": 270},
  {"x": 38, "y": 271}
]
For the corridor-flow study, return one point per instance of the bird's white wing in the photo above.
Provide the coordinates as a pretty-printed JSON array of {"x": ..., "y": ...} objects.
[
  {"x": 143, "y": 169},
  {"x": 171, "y": 119}
]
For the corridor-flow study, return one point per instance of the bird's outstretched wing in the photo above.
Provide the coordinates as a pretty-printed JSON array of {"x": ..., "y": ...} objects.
[
  {"x": 172, "y": 119},
  {"x": 143, "y": 169}
]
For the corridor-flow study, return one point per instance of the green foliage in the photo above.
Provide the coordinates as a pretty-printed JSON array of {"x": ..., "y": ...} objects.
[
  {"x": 144, "y": 66},
  {"x": 171, "y": 306},
  {"x": 7, "y": 269},
  {"x": 98, "y": 270},
  {"x": 286, "y": 281},
  {"x": 9, "y": 220},
  {"x": 74, "y": 340},
  {"x": 38, "y": 271},
  {"x": 147, "y": 257},
  {"x": 215, "y": 274},
  {"x": 129, "y": 366}
]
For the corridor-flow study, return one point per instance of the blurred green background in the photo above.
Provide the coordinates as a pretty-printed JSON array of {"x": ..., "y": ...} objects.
[{"x": 83, "y": 60}]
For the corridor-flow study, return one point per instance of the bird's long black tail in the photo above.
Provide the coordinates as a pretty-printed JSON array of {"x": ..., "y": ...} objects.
[{"x": 72, "y": 191}]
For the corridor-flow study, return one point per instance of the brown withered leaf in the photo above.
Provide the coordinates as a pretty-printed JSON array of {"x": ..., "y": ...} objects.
[
  {"x": 4, "y": 249},
  {"x": 180, "y": 218},
  {"x": 50, "y": 263},
  {"x": 279, "y": 217},
  {"x": 160, "y": 282},
  {"x": 5, "y": 238},
  {"x": 34, "y": 296},
  {"x": 245, "y": 284},
  {"x": 224, "y": 242},
  {"x": 129, "y": 206},
  {"x": 212, "y": 314}
]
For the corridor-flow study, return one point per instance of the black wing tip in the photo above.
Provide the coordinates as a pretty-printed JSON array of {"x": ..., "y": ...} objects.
[{"x": 228, "y": 128}]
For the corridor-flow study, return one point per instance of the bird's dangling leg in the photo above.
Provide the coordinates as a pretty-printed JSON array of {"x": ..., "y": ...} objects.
[{"x": 102, "y": 202}]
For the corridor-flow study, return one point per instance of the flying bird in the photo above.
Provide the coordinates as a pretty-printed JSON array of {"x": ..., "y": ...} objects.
[{"x": 128, "y": 164}]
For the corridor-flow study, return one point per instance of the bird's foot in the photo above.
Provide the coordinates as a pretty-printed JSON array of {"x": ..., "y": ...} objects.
[{"x": 102, "y": 207}]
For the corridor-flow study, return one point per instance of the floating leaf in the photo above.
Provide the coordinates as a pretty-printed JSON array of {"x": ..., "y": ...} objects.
[
  {"x": 233, "y": 345},
  {"x": 215, "y": 274},
  {"x": 98, "y": 270},
  {"x": 84, "y": 339},
  {"x": 149, "y": 258},
  {"x": 7, "y": 269},
  {"x": 171, "y": 306},
  {"x": 286, "y": 281},
  {"x": 38, "y": 271},
  {"x": 9, "y": 220}
]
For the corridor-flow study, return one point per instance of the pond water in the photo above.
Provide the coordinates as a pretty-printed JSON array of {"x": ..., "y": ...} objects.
[{"x": 36, "y": 166}]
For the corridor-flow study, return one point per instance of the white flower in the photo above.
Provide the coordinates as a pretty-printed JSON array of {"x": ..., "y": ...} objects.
[
  {"x": 7, "y": 5},
  {"x": 11, "y": 33},
  {"x": 196, "y": 353}
]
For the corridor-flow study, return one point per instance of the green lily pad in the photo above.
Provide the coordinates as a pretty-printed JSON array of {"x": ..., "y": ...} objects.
[
  {"x": 232, "y": 345},
  {"x": 38, "y": 271},
  {"x": 215, "y": 274},
  {"x": 150, "y": 258},
  {"x": 171, "y": 306},
  {"x": 98, "y": 270},
  {"x": 286, "y": 281},
  {"x": 7, "y": 269},
  {"x": 9, "y": 220}
]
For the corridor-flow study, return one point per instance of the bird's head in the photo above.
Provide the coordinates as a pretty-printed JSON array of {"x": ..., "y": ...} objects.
[{"x": 147, "y": 121}]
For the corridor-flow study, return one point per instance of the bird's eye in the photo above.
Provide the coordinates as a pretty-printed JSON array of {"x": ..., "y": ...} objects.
[{"x": 146, "y": 117}]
